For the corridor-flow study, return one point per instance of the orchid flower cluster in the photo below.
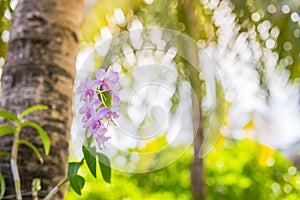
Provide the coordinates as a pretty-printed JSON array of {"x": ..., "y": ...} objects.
[{"x": 101, "y": 100}]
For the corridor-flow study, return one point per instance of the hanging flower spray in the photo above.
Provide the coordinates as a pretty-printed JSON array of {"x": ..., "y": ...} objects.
[{"x": 101, "y": 100}]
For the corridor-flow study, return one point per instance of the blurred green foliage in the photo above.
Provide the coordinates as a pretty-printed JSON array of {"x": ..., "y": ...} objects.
[
  {"x": 5, "y": 10},
  {"x": 248, "y": 170},
  {"x": 279, "y": 13},
  {"x": 99, "y": 12},
  {"x": 234, "y": 170}
]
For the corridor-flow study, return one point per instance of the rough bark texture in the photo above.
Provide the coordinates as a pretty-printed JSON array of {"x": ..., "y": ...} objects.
[
  {"x": 197, "y": 171},
  {"x": 40, "y": 69}
]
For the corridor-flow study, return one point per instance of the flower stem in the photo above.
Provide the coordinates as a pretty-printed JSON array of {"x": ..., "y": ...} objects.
[
  {"x": 14, "y": 166},
  {"x": 113, "y": 121},
  {"x": 99, "y": 91},
  {"x": 56, "y": 188},
  {"x": 103, "y": 100}
]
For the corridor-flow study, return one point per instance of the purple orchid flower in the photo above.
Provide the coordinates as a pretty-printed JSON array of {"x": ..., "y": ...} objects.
[
  {"x": 94, "y": 123},
  {"x": 96, "y": 113},
  {"x": 87, "y": 108},
  {"x": 108, "y": 80},
  {"x": 101, "y": 139},
  {"x": 87, "y": 88}
]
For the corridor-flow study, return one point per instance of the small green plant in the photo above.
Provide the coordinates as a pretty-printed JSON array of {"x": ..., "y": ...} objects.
[{"x": 14, "y": 126}]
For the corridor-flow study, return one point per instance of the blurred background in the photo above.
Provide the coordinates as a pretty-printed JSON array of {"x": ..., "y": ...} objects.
[{"x": 255, "y": 49}]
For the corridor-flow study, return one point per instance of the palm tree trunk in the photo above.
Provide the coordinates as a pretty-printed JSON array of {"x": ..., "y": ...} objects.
[{"x": 40, "y": 70}]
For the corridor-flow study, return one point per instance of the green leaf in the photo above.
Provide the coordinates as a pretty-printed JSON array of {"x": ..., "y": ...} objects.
[
  {"x": 77, "y": 183},
  {"x": 6, "y": 129},
  {"x": 9, "y": 116},
  {"x": 90, "y": 160},
  {"x": 32, "y": 109},
  {"x": 2, "y": 186},
  {"x": 73, "y": 168},
  {"x": 32, "y": 147},
  {"x": 4, "y": 153},
  {"x": 104, "y": 167},
  {"x": 45, "y": 138}
]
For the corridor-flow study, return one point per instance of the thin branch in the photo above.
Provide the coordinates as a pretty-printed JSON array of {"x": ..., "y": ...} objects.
[
  {"x": 197, "y": 171},
  {"x": 13, "y": 196},
  {"x": 56, "y": 188}
]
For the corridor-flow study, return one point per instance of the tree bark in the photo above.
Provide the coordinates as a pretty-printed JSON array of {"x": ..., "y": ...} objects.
[
  {"x": 197, "y": 172},
  {"x": 40, "y": 69}
]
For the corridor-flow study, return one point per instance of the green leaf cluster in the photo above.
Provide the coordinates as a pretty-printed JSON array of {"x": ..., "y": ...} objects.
[
  {"x": 14, "y": 126},
  {"x": 91, "y": 157},
  {"x": 16, "y": 123}
]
